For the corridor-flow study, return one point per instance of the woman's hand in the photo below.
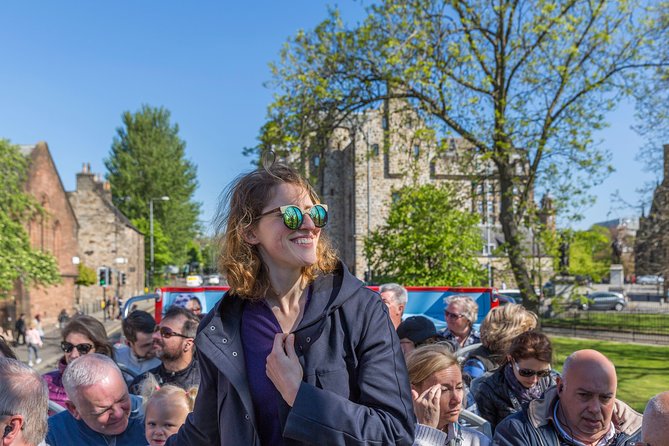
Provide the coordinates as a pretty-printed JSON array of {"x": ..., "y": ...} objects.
[
  {"x": 283, "y": 367},
  {"x": 426, "y": 406}
]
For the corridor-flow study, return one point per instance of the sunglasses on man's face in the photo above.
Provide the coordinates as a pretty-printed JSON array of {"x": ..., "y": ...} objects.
[
  {"x": 167, "y": 332},
  {"x": 528, "y": 373},
  {"x": 83, "y": 349},
  {"x": 293, "y": 217}
]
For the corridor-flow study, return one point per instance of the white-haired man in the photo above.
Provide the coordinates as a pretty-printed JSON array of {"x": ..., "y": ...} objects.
[
  {"x": 395, "y": 297},
  {"x": 24, "y": 401},
  {"x": 581, "y": 410},
  {"x": 100, "y": 411},
  {"x": 655, "y": 428}
]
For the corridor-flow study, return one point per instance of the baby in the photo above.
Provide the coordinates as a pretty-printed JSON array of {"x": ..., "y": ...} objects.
[{"x": 165, "y": 409}]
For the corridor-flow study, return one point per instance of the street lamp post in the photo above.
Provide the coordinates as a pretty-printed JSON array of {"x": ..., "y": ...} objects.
[{"x": 163, "y": 198}]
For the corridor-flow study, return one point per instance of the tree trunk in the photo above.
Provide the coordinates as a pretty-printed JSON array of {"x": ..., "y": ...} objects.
[{"x": 513, "y": 242}]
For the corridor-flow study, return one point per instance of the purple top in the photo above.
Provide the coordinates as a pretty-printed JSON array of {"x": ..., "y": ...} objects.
[
  {"x": 54, "y": 381},
  {"x": 259, "y": 326}
]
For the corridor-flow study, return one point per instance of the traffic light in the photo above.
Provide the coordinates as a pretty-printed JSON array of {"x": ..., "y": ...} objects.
[
  {"x": 123, "y": 279},
  {"x": 103, "y": 276}
]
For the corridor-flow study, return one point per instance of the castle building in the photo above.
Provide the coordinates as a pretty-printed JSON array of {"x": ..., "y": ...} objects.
[
  {"x": 364, "y": 164},
  {"x": 650, "y": 250}
]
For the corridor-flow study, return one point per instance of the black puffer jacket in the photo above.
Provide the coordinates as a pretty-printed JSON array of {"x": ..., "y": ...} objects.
[{"x": 495, "y": 399}]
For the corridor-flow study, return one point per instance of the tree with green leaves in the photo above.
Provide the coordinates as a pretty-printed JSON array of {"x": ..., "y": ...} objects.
[
  {"x": 590, "y": 253},
  {"x": 18, "y": 259},
  {"x": 148, "y": 161},
  {"x": 162, "y": 256},
  {"x": 426, "y": 241},
  {"x": 525, "y": 84},
  {"x": 86, "y": 276}
]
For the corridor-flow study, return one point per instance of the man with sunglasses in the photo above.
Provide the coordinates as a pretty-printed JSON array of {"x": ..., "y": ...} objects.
[
  {"x": 23, "y": 405},
  {"x": 581, "y": 409},
  {"x": 174, "y": 345}
]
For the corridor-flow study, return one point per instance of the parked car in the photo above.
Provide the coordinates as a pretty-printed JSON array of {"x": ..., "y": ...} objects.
[
  {"x": 649, "y": 280},
  {"x": 604, "y": 300}
]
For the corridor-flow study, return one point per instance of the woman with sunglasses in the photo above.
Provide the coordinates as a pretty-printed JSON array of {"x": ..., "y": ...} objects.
[
  {"x": 524, "y": 376},
  {"x": 298, "y": 351},
  {"x": 461, "y": 312},
  {"x": 82, "y": 335}
]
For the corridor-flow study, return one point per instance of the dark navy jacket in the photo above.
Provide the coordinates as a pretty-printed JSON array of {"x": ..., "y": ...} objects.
[{"x": 355, "y": 389}]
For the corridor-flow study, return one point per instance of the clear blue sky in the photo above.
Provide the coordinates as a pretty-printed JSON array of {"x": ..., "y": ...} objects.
[{"x": 72, "y": 67}]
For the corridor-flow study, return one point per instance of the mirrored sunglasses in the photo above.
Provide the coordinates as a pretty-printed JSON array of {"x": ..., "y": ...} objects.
[
  {"x": 528, "y": 373},
  {"x": 83, "y": 349},
  {"x": 293, "y": 217},
  {"x": 167, "y": 332}
]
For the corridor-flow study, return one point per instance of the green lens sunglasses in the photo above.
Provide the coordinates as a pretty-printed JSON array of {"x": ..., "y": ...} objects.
[{"x": 293, "y": 217}]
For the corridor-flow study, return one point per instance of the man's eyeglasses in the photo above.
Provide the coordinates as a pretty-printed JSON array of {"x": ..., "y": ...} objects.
[
  {"x": 83, "y": 349},
  {"x": 528, "y": 373},
  {"x": 167, "y": 332},
  {"x": 293, "y": 217},
  {"x": 450, "y": 315}
]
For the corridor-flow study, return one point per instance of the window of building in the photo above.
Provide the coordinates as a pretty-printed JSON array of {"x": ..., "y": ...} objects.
[
  {"x": 416, "y": 151},
  {"x": 375, "y": 149},
  {"x": 317, "y": 160}
]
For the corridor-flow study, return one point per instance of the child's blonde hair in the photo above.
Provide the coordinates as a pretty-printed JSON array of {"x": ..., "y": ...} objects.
[{"x": 152, "y": 391}]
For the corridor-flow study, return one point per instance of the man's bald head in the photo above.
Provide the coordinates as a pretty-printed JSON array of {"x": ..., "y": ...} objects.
[
  {"x": 591, "y": 363},
  {"x": 655, "y": 428},
  {"x": 587, "y": 392}
]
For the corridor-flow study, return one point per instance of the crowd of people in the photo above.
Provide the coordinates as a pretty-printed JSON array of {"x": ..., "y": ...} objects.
[{"x": 300, "y": 352}]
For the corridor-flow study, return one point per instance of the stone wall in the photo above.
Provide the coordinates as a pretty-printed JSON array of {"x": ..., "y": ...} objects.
[{"x": 106, "y": 239}]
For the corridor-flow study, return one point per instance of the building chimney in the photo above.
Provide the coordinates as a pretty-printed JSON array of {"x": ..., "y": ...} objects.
[{"x": 85, "y": 180}]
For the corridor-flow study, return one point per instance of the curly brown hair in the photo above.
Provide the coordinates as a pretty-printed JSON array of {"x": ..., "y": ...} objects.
[{"x": 239, "y": 209}]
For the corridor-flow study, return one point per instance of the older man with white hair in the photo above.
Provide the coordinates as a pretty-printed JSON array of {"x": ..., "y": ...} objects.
[
  {"x": 24, "y": 400},
  {"x": 655, "y": 425},
  {"x": 395, "y": 297},
  {"x": 100, "y": 411}
]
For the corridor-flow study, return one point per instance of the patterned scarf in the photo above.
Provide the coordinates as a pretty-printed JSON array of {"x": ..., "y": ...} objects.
[{"x": 523, "y": 394}]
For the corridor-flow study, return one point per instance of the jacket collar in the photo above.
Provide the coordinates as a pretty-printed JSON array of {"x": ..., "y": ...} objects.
[{"x": 540, "y": 413}]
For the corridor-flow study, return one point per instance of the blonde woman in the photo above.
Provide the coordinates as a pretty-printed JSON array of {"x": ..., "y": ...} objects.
[
  {"x": 499, "y": 328},
  {"x": 437, "y": 390}
]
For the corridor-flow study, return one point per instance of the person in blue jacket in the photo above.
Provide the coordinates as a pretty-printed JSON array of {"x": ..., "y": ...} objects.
[
  {"x": 298, "y": 352},
  {"x": 100, "y": 411}
]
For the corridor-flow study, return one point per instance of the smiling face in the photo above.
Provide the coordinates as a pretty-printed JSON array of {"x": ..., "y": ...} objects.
[
  {"x": 143, "y": 346},
  {"x": 171, "y": 348},
  {"x": 162, "y": 419},
  {"x": 284, "y": 250},
  {"x": 104, "y": 406},
  {"x": 452, "y": 390},
  {"x": 76, "y": 339}
]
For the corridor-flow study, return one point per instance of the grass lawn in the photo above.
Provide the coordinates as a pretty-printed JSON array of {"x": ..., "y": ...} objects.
[
  {"x": 639, "y": 322},
  {"x": 643, "y": 370}
]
